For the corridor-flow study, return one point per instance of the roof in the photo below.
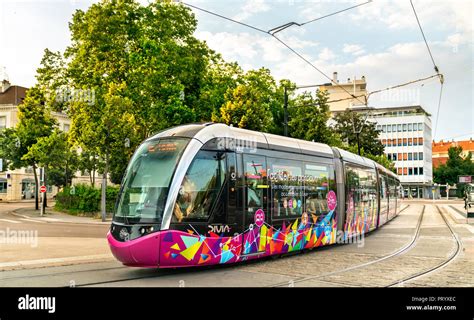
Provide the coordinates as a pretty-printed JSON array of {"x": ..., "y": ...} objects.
[
  {"x": 443, "y": 146},
  {"x": 208, "y": 131},
  {"x": 417, "y": 108},
  {"x": 14, "y": 95}
]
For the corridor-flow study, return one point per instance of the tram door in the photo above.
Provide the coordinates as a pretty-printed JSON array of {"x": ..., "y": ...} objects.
[{"x": 255, "y": 204}]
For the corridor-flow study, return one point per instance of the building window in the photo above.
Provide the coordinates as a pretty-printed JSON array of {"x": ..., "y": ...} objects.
[
  {"x": 399, "y": 171},
  {"x": 405, "y": 127},
  {"x": 384, "y": 128},
  {"x": 384, "y": 142},
  {"x": 410, "y": 171},
  {"x": 394, "y": 157},
  {"x": 415, "y": 141},
  {"x": 389, "y": 141},
  {"x": 420, "y": 126},
  {"x": 420, "y": 141},
  {"x": 394, "y": 142},
  {"x": 399, "y": 142},
  {"x": 405, "y": 157},
  {"x": 410, "y": 142},
  {"x": 405, "y": 171},
  {"x": 410, "y": 156},
  {"x": 389, "y": 156},
  {"x": 399, "y": 157},
  {"x": 415, "y": 171},
  {"x": 420, "y": 171},
  {"x": 415, "y": 156},
  {"x": 410, "y": 127},
  {"x": 3, "y": 186},
  {"x": 405, "y": 142},
  {"x": 389, "y": 128},
  {"x": 3, "y": 122},
  {"x": 420, "y": 156},
  {"x": 379, "y": 127},
  {"x": 399, "y": 128},
  {"x": 394, "y": 128}
]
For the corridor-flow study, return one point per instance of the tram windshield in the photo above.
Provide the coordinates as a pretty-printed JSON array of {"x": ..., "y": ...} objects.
[{"x": 147, "y": 181}]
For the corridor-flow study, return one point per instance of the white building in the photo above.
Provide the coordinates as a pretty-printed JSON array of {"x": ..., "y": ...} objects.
[{"x": 406, "y": 135}]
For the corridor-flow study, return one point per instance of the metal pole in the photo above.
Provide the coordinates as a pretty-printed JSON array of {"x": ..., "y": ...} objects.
[
  {"x": 285, "y": 107},
  {"x": 42, "y": 193},
  {"x": 358, "y": 142}
]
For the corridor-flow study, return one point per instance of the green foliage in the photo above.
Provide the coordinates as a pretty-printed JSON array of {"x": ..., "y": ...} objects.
[
  {"x": 55, "y": 153},
  {"x": 348, "y": 123},
  {"x": 250, "y": 104},
  {"x": 84, "y": 199},
  {"x": 455, "y": 166},
  {"x": 308, "y": 118}
]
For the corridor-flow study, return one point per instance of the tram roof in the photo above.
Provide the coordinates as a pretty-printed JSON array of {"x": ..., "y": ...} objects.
[{"x": 208, "y": 131}]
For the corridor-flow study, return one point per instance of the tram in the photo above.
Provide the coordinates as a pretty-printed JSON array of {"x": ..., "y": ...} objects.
[{"x": 206, "y": 194}]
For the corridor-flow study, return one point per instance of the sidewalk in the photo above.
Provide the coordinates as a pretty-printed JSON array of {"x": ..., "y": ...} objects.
[{"x": 53, "y": 216}]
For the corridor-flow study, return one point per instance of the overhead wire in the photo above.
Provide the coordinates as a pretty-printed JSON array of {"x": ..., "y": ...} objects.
[
  {"x": 441, "y": 77},
  {"x": 284, "y": 43}
]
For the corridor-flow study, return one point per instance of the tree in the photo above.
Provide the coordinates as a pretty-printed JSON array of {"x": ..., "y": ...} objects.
[
  {"x": 52, "y": 80},
  {"x": 250, "y": 104},
  {"x": 309, "y": 117},
  {"x": 455, "y": 166},
  {"x": 56, "y": 155},
  {"x": 35, "y": 122},
  {"x": 349, "y": 123},
  {"x": 146, "y": 70},
  {"x": 221, "y": 77}
]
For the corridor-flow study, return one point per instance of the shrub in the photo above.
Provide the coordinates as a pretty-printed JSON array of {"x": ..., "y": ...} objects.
[{"x": 84, "y": 199}]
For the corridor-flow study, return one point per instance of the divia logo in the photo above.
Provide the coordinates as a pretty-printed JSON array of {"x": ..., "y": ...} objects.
[{"x": 37, "y": 303}]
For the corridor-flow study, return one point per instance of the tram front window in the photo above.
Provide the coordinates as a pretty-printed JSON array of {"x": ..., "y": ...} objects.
[{"x": 147, "y": 181}]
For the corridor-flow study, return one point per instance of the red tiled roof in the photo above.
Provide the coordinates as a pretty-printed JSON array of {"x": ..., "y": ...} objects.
[{"x": 443, "y": 147}]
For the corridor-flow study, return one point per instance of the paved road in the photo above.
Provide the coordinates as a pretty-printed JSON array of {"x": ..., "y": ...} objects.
[
  {"x": 322, "y": 267},
  {"x": 47, "y": 227},
  {"x": 48, "y": 241}
]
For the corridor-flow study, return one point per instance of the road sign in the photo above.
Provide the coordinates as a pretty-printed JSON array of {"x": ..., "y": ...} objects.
[
  {"x": 465, "y": 179},
  {"x": 43, "y": 189}
]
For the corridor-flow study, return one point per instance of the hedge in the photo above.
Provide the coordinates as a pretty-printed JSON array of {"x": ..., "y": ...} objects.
[{"x": 84, "y": 199}]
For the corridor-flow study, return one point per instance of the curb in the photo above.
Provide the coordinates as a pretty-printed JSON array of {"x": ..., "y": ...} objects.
[
  {"x": 17, "y": 214},
  {"x": 53, "y": 262}
]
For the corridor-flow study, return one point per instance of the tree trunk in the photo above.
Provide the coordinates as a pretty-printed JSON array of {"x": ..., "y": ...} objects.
[
  {"x": 36, "y": 188},
  {"x": 104, "y": 190}
]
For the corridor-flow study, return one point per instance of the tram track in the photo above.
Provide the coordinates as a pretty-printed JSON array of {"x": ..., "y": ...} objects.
[
  {"x": 441, "y": 265},
  {"x": 397, "y": 252}
]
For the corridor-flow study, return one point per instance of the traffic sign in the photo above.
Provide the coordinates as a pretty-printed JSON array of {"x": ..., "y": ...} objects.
[
  {"x": 465, "y": 179},
  {"x": 43, "y": 189}
]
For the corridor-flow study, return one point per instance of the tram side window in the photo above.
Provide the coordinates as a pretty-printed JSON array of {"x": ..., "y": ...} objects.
[
  {"x": 200, "y": 188},
  {"x": 286, "y": 187},
  {"x": 361, "y": 190},
  {"x": 383, "y": 193},
  {"x": 255, "y": 181},
  {"x": 319, "y": 179}
]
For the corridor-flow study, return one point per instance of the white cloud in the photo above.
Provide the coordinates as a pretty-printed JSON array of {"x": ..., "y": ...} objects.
[
  {"x": 399, "y": 15},
  {"x": 353, "y": 49},
  {"x": 250, "y": 8},
  {"x": 326, "y": 54}
]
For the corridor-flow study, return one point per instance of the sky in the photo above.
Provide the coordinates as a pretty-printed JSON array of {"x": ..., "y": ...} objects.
[{"x": 380, "y": 40}]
